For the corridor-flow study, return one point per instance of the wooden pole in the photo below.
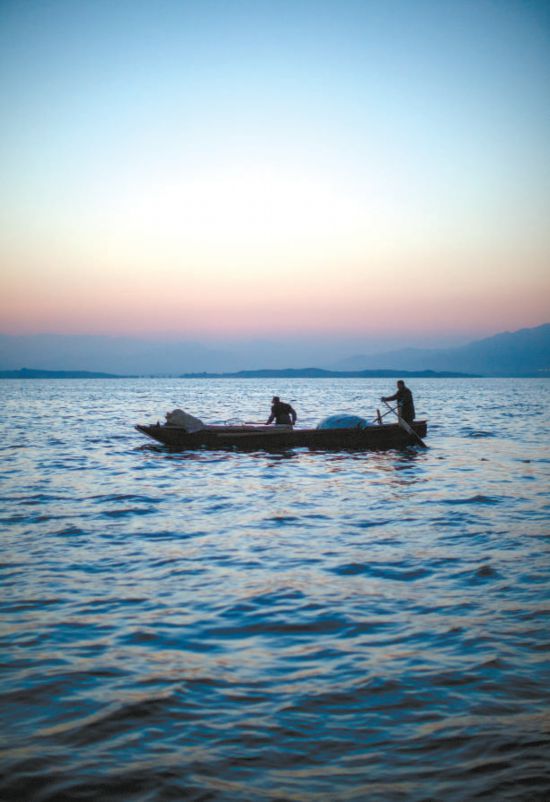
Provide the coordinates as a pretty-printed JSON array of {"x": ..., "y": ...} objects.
[{"x": 405, "y": 425}]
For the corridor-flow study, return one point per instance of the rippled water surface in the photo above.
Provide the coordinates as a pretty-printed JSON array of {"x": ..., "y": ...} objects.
[{"x": 294, "y": 626}]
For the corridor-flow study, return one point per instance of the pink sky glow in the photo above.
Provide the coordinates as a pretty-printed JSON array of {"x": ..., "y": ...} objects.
[{"x": 321, "y": 175}]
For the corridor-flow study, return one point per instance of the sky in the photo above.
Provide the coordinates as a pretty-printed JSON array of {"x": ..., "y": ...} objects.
[{"x": 242, "y": 169}]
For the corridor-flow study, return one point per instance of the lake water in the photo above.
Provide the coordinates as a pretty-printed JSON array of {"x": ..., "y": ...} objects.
[{"x": 251, "y": 626}]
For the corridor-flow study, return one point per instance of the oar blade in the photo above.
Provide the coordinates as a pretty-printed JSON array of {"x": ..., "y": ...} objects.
[{"x": 408, "y": 428}]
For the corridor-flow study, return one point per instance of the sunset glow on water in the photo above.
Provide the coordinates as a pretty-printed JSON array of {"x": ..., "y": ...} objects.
[{"x": 298, "y": 626}]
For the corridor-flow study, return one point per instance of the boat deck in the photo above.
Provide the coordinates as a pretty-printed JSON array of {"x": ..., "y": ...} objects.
[{"x": 276, "y": 438}]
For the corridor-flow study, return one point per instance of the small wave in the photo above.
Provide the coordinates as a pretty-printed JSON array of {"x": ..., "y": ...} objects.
[
  {"x": 111, "y": 721},
  {"x": 281, "y": 520},
  {"x": 372, "y": 524},
  {"x": 486, "y": 572},
  {"x": 478, "y": 434},
  {"x": 381, "y": 572},
  {"x": 479, "y": 498},
  {"x": 69, "y": 531},
  {"x": 127, "y": 511},
  {"x": 116, "y": 497}
]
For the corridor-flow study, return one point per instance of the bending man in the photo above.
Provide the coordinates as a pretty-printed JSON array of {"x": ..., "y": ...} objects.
[{"x": 281, "y": 413}]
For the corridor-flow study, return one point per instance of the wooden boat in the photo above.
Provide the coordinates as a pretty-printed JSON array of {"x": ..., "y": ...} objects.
[{"x": 279, "y": 438}]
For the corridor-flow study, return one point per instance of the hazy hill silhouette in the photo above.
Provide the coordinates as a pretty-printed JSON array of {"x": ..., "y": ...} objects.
[{"x": 521, "y": 353}]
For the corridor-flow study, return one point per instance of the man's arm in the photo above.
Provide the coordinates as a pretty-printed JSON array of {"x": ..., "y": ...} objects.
[{"x": 293, "y": 415}]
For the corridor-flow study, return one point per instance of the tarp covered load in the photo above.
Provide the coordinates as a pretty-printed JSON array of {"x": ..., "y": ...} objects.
[
  {"x": 343, "y": 421},
  {"x": 184, "y": 420}
]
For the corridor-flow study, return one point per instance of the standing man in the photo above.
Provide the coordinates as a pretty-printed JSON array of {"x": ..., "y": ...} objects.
[
  {"x": 405, "y": 404},
  {"x": 281, "y": 413}
]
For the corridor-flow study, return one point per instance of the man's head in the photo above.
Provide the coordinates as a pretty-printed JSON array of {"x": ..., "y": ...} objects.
[
  {"x": 275, "y": 399},
  {"x": 400, "y": 384}
]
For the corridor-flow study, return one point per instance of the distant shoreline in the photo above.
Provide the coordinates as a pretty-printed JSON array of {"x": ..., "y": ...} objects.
[
  {"x": 319, "y": 373},
  {"x": 288, "y": 373},
  {"x": 25, "y": 373}
]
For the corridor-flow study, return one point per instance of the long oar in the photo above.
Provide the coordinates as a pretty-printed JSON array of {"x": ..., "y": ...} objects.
[{"x": 406, "y": 426}]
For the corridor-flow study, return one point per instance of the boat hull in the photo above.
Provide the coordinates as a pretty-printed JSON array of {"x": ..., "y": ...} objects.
[{"x": 376, "y": 438}]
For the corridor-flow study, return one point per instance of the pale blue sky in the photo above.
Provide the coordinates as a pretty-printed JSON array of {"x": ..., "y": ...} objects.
[{"x": 211, "y": 143}]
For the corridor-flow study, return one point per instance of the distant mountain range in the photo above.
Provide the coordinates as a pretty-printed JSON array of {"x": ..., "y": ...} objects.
[{"x": 521, "y": 353}]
